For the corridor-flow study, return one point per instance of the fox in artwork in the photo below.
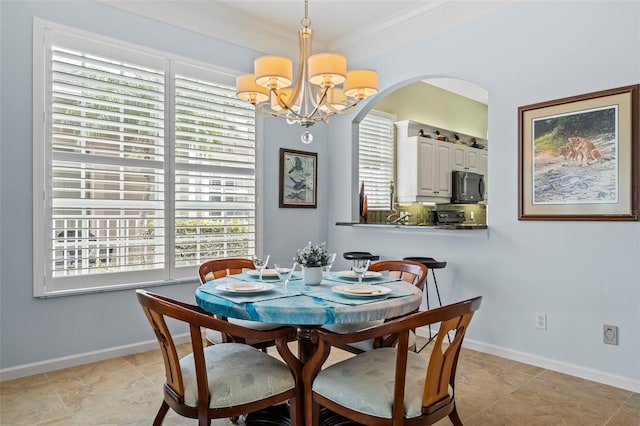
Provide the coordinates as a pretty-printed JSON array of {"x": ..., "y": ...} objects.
[{"x": 581, "y": 150}]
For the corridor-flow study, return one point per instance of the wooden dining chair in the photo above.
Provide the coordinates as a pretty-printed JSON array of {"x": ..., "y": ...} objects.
[
  {"x": 390, "y": 386},
  {"x": 225, "y": 380},
  {"x": 409, "y": 271},
  {"x": 219, "y": 268}
]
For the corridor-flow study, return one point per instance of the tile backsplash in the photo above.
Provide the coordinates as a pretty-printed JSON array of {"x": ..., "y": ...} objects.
[{"x": 421, "y": 214}]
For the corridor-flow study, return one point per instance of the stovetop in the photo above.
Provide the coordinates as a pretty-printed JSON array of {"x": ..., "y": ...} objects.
[{"x": 448, "y": 217}]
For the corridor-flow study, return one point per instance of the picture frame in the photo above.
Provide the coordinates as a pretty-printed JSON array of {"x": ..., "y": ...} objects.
[
  {"x": 579, "y": 157},
  {"x": 298, "y": 179}
]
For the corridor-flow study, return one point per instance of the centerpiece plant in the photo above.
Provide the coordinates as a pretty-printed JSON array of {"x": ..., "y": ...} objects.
[
  {"x": 312, "y": 259},
  {"x": 312, "y": 256}
]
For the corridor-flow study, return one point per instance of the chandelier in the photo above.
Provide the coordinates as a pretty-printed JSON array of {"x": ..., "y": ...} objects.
[{"x": 323, "y": 87}]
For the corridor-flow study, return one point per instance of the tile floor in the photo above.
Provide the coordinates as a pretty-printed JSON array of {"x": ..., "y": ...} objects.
[{"x": 490, "y": 391}]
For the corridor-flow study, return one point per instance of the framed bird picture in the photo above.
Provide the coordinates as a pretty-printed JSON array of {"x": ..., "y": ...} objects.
[{"x": 298, "y": 178}]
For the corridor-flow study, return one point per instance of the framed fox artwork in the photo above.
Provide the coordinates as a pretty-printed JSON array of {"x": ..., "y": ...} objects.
[{"x": 578, "y": 157}]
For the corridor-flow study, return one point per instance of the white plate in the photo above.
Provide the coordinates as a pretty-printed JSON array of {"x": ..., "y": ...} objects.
[
  {"x": 269, "y": 273},
  {"x": 352, "y": 276},
  {"x": 245, "y": 287},
  {"x": 360, "y": 290}
]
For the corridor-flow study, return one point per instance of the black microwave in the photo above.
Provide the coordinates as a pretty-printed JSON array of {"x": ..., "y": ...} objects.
[{"x": 466, "y": 187}]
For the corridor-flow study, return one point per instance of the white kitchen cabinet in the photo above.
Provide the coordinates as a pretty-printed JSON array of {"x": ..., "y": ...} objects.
[
  {"x": 423, "y": 170},
  {"x": 466, "y": 159}
]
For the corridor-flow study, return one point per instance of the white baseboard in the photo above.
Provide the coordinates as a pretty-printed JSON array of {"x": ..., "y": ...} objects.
[
  {"x": 85, "y": 358},
  {"x": 538, "y": 361},
  {"x": 549, "y": 364}
]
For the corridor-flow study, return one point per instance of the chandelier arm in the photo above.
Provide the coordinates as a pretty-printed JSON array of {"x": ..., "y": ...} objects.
[
  {"x": 314, "y": 114},
  {"x": 346, "y": 110}
]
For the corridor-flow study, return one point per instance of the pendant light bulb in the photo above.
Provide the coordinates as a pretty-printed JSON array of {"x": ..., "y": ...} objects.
[{"x": 306, "y": 138}]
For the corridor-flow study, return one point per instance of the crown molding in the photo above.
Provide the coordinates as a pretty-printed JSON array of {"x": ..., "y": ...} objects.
[
  {"x": 415, "y": 24},
  {"x": 215, "y": 20}
]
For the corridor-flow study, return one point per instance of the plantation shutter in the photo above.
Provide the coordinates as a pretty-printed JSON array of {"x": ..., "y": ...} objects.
[
  {"x": 376, "y": 158},
  {"x": 144, "y": 165},
  {"x": 215, "y": 172},
  {"x": 107, "y": 160}
]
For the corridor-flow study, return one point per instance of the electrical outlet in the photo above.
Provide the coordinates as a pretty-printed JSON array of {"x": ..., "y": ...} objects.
[
  {"x": 541, "y": 320},
  {"x": 610, "y": 334}
]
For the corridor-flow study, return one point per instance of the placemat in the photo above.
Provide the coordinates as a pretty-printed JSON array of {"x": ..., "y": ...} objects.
[
  {"x": 326, "y": 294},
  {"x": 373, "y": 280},
  {"x": 297, "y": 275},
  {"x": 275, "y": 293}
]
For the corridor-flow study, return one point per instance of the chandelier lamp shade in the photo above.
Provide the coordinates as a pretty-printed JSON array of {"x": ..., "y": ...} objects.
[{"x": 323, "y": 87}]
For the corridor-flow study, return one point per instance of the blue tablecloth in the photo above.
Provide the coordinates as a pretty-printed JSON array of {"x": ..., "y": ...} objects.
[{"x": 305, "y": 308}]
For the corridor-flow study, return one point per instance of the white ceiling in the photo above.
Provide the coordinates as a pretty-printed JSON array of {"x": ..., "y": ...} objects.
[
  {"x": 350, "y": 27},
  {"x": 332, "y": 20}
]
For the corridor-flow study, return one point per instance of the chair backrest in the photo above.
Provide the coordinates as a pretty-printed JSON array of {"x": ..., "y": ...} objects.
[
  {"x": 440, "y": 374},
  {"x": 217, "y": 268},
  {"x": 406, "y": 270},
  {"x": 444, "y": 358},
  {"x": 156, "y": 308}
]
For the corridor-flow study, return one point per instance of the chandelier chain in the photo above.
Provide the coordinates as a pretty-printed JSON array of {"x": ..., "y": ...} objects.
[{"x": 306, "y": 21}]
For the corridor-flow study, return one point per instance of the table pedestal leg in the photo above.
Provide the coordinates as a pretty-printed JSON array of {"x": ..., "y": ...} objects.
[{"x": 306, "y": 348}]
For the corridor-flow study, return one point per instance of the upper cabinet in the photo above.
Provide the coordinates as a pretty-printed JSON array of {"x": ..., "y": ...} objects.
[
  {"x": 465, "y": 159},
  {"x": 424, "y": 170},
  {"x": 427, "y": 155}
]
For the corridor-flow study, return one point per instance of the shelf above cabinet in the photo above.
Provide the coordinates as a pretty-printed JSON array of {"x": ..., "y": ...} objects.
[{"x": 407, "y": 128}]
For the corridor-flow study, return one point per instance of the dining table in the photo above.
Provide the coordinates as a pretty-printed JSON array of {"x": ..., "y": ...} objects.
[
  {"x": 309, "y": 306},
  {"x": 338, "y": 299}
]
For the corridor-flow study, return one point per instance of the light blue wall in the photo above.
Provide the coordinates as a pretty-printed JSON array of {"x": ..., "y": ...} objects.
[
  {"x": 34, "y": 330},
  {"x": 581, "y": 274}
]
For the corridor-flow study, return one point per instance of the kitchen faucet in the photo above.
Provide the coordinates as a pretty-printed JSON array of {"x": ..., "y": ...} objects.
[
  {"x": 393, "y": 210},
  {"x": 402, "y": 218}
]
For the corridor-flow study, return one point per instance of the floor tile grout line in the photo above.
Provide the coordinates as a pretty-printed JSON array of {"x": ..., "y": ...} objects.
[
  {"x": 618, "y": 409},
  {"x": 54, "y": 387}
]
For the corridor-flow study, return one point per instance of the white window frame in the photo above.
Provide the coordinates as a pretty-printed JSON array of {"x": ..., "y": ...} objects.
[
  {"x": 43, "y": 283},
  {"x": 378, "y": 192}
]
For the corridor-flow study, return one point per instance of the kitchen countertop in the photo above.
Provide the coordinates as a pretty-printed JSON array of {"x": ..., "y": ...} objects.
[{"x": 455, "y": 226}]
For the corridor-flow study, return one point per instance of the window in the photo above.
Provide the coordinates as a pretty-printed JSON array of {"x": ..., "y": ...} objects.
[
  {"x": 146, "y": 163},
  {"x": 376, "y": 158}
]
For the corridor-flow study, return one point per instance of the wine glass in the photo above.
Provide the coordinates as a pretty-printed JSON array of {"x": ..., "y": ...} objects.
[
  {"x": 284, "y": 273},
  {"x": 327, "y": 267},
  {"x": 360, "y": 267},
  {"x": 260, "y": 263}
]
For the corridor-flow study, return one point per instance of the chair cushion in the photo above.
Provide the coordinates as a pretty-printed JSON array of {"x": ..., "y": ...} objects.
[
  {"x": 215, "y": 337},
  {"x": 364, "y": 383},
  {"x": 364, "y": 345},
  {"x": 237, "y": 374}
]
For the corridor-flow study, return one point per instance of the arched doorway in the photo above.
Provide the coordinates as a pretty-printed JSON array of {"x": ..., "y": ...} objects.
[{"x": 452, "y": 113}]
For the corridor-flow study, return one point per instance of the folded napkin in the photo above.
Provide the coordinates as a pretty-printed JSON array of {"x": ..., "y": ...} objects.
[
  {"x": 371, "y": 280},
  {"x": 327, "y": 294},
  {"x": 255, "y": 278},
  {"x": 275, "y": 293}
]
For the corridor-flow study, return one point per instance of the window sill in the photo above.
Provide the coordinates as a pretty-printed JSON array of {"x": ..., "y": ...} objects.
[{"x": 104, "y": 289}]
